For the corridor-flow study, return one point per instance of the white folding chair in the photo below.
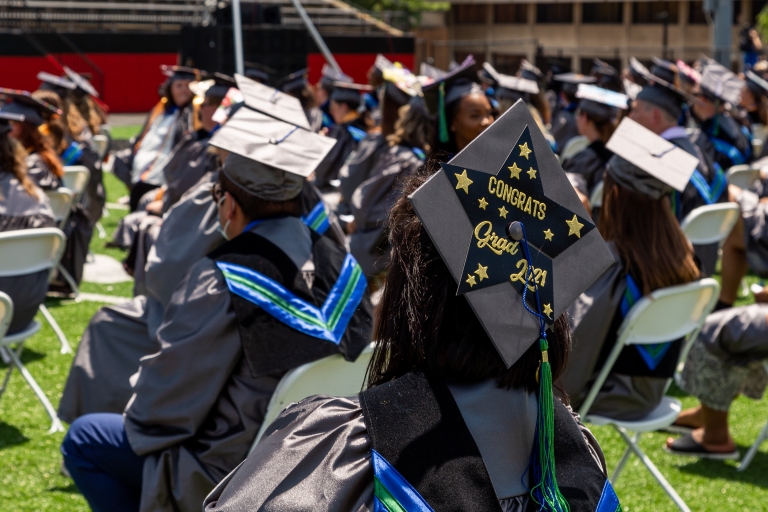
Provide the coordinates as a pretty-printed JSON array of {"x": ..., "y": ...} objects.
[
  {"x": 76, "y": 179},
  {"x": 25, "y": 252},
  {"x": 745, "y": 462},
  {"x": 61, "y": 204},
  {"x": 573, "y": 146},
  {"x": 710, "y": 223},
  {"x": 99, "y": 144},
  {"x": 664, "y": 315},
  {"x": 105, "y": 128},
  {"x": 743, "y": 176},
  {"x": 333, "y": 376},
  {"x": 596, "y": 199}
]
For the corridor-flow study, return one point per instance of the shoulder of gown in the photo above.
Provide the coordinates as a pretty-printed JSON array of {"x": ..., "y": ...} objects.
[{"x": 316, "y": 448}]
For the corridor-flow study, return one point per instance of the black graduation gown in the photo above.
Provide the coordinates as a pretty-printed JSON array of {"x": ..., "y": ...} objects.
[
  {"x": 347, "y": 136},
  {"x": 590, "y": 163}
]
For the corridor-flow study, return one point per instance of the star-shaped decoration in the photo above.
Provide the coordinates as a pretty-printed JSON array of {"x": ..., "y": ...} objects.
[
  {"x": 503, "y": 212},
  {"x": 548, "y": 234},
  {"x": 514, "y": 171},
  {"x": 471, "y": 280},
  {"x": 483, "y": 203},
  {"x": 463, "y": 181},
  {"x": 574, "y": 226},
  {"x": 482, "y": 272},
  {"x": 531, "y": 173},
  {"x": 524, "y": 150},
  {"x": 547, "y": 310}
]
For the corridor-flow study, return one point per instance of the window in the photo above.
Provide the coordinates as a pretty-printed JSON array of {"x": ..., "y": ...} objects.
[
  {"x": 696, "y": 14},
  {"x": 554, "y": 13},
  {"x": 507, "y": 64},
  {"x": 653, "y": 12},
  {"x": 602, "y": 12},
  {"x": 510, "y": 13},
  {"x": 466, "y": 14}
]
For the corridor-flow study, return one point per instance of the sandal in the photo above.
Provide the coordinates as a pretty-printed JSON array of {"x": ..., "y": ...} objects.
[
  {"x": 677, "y": 429},
  {"x": 687, "y": 446}
]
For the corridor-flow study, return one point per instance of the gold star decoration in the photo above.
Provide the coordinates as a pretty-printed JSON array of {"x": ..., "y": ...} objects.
[
  {"x": 463, "y": 181},
  {"x": 503, "y": 212},
  {"x": 531, "y": 172},
  {"x": 548, "y": 310},
  {"x": 524, "y": 151},
  {"x": 514, "y": 170},
  {"x": 482, "y": 272},
  {"x": 548, "y": 234},
  {"x": 471, "y": 280},
  {"x": 483, "y": 203},
  {"x": 574, "y": 227}
]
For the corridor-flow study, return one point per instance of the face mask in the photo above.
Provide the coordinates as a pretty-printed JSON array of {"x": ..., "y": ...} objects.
[{"x": 221, "y": 230}]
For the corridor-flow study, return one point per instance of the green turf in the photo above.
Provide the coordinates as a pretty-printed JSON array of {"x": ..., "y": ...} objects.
[
  {"x": 125, "y": 132},
  {"x": 29, "y": 457}
]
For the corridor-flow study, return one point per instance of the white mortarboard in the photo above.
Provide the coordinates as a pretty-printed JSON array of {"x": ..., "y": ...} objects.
[
  {"x": 656, "y": 156},
  {"x": 57, "y": 81},
  {"x": 513, "y": 83},
  {"x": 272, "y": 102},
  {"x": 600, "y": 95},
  {"x": 632, "y": 89},
  {"x": 81, "y": 82},
  {"x": 330, "y": 75},
  {"x": 431, "y": 71},
  {"x": 721, "y": 82}
]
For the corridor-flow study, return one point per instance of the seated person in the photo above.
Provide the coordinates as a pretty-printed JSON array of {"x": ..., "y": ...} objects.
[
  {"x": 22, "y": 206},
  {"x": 725, "y": 361},
  {"x": 224, "y": 343},
  {"x": 564, "y": 122},
  {"x": 650, "y": 252},
  {"x": 446, "y": 401},
  {"x": 296, "y": 85}
]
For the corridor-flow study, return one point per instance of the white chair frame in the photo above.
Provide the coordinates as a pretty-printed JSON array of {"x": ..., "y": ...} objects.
[
  {"x": 61, "y": 204},
  {"x": 747, "y": 459},
  {"x": 664, "y": 315},
  {"x": 743, "y": 176},
  {"x": 596, "y": 198},
  {"x": 710, "y": 223},
  {"x": 76, "y": 179},
  {"x": 99, "y": 144},
  {"x": 333, "y": 376},
  {"x": 573, "y": 146}
]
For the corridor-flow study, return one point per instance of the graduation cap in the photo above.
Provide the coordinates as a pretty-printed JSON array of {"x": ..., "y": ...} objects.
[
  {"x": 608, "y": 77},
  {"x": 258, "y": 72},
  {"x": 571, "y": 81},
  {"x": 81, "y": 82},
  {"x": 506, "y": 182},
  {"x": 448, "y": 89},
  {"x": 328, "y": 75},
  {"x": 511, "y": 87},
  {"x": 664, "y": 69},
  {"x": 599, "y": 102},
  {"x": 756, "y": 83},
  {"x": 662, "y": 93},
  {"x": 657, "y": 165},
  {"x": 382, "y": 63},
  {"x": 530, "y": 72},
  {"x": 719, "y": 82},
  {"x": 272, "y": 102},
  {"x": 687, "y": 73},
  {"x": 431, "y": 71},
  {"x": 221, "y": 85},
  {"x": 275, "y": 148},
  {"x": 53, "y": 82},
  {"x": 182, "y": 73},
  {"x": 349, "y": 93},
  {"x": 294, "y": 82},
  {"x": 632, "y": 89},
  {"x": 22, "y": 106},
  {"x": 401, "y": 85},
  {"x": 638, "y": 71},
  {"x": 231, "y": 102}
]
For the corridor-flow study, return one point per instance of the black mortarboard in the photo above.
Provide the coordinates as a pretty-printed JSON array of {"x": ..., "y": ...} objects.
[
  {"x": 454, "y": 85},
  {"x": 511, "y": 87},
  {"x": 509, "y": 173},
  {"x": 22, "y": 106},
  {"x": 756, "y": 84},
  {"x": 328, "y": 75},
  {"x": 257, "y": 75},
  {"x": 719, "y": 82},
  {"x": 431, "y": 71},
  {"x": 349, "y": 93},
  {"x": 294, "y": 82},
  {"x": 664, "y": 69},
  {"x": 662, "y": 93},
  {"x": 182, "y": 73},
  {"x": 222, "y": 84},
  {"x": 272, "y": 102},
  {"x": 638, "y": 71},
  {"x": 81, "y": 82},
  {"x": 530, "y": 72},
  {"x": 571, "y": 81},
  {"x": 599, "y": 102},
  {"x": 608, "y": 77},
  {"x": 55, "y": 83}
]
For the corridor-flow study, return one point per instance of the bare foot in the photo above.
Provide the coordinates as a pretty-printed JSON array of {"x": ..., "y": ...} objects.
[
  {"x": 762, "y": 295},
  {"x": 690, "y": 418}
]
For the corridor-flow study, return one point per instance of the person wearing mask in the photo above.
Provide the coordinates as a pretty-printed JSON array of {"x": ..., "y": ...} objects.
[
  {"x": 452, "y": 392},
  {"x": 639, "y": 378},
  {"x": 22, "y": 206},
  {"x": 564, "y": 123},
  {"x": 199, "y": 400}
]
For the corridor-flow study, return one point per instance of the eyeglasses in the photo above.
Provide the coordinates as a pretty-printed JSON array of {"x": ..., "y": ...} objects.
[{"x": 216, "y": 192}]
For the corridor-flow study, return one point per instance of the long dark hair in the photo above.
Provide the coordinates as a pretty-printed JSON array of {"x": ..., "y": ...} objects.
[
  {"x": 34, "y": 142},
  {"x": 421, "y": 324},
  {"x": 12, "y": 161}
]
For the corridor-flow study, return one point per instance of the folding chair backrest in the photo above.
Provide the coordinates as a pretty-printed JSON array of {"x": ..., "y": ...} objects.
[
  {"x": 573, "y": 146},
  {"x": 759, "y": 131},
  {"x": 743, "y": 176},
  {"x": 99, "y": 144},
  {"x": 333, "y": 376},
  {"x": 106, "y": 129},
  {"x": 710, "y": 223},
  {"x": 76, "y": 178},
  {"x": 596, "y": 199},
  {"x": 6, "y": 313},
  {"x": 665, "y": 315},
  {"x": 27, "y": 251},
  {"x": 61, "y": 202}
]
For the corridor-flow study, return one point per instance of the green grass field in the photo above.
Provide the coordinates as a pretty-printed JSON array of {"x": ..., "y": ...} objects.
[
  {"x": 125, "y": 132},
  {"x": 30, "y": 459}
]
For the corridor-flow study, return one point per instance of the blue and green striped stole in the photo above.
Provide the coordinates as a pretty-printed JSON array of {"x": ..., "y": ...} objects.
[
  {"x": 356, "y": 133},
  {"x": 609, "y": 502},
  {"x": 72, "y": 154},
  {"x": 652, "y": 354},
  {"x": 732, "y": 152},
  {"x": 317, "y": 219},
  {"x": 392, "y": 492},
  {"x": 710, "y": 193},
  {"x": 327, "y": 322}
]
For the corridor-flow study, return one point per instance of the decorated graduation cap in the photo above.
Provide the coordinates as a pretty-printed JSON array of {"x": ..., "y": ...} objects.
[
  {"x": 22, "y": 106},
  {"x": 687, "y": 73},
  {"x": 272, "y": 102},
  {"x": 55, "y": 83},
  {"x": 296, "y": 81},
  {"x": 600, "y": 102},
  {"x": 276, "y": 157},
  {"x": 182, "y": 73},
  {"x": 664, "y": 69},
  {"x": 81, "y": 82},
  {"x": 454, "y": 85},
  {"x": 344, "y": 92},
  {"x": 520, "y": 245},
  {"x": 401, "y": 85},
  {"x": 720, "y": 83},
  {"x": 646, "y": 163}
]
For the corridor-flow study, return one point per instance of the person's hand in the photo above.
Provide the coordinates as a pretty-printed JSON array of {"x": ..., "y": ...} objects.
[
  {"x": 351, "y": 227},
  {"x": 155, "y": 208}
]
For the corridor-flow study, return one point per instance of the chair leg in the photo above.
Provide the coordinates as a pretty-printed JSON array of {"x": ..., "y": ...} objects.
[
  {"x": 69, "y": 279},
  {"x": 101, "y": 230},
  {"x": 623, "y": 461},
  {"x": 753, "y": 449},
  {"x": 7, "y": 373},
  {"x": 56, "y": 425},
  {"x": 65, "y": 347},
  {"x": 653, "y": 470}
]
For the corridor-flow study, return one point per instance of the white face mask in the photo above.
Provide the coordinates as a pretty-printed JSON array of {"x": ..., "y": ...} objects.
[{"x": 223, "y": 230}]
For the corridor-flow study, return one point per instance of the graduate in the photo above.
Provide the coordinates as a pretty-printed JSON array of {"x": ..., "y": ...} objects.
[
  {"x": 22, "y": 206},
  {"x": 329, "y": 77},
  {"x": 650, "y": 251},
  {"x": 452, "y": 417},
  {"x": 564, "y": 123},
  {"x": 537, "y": 99},
  {"x": 596, "y": 118},
  {"x": 297, "y": 85},
  {"x": 223, "y": 345},
  {"x": 608, "y": 77},
  {"x": 85, "y": 97}
]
